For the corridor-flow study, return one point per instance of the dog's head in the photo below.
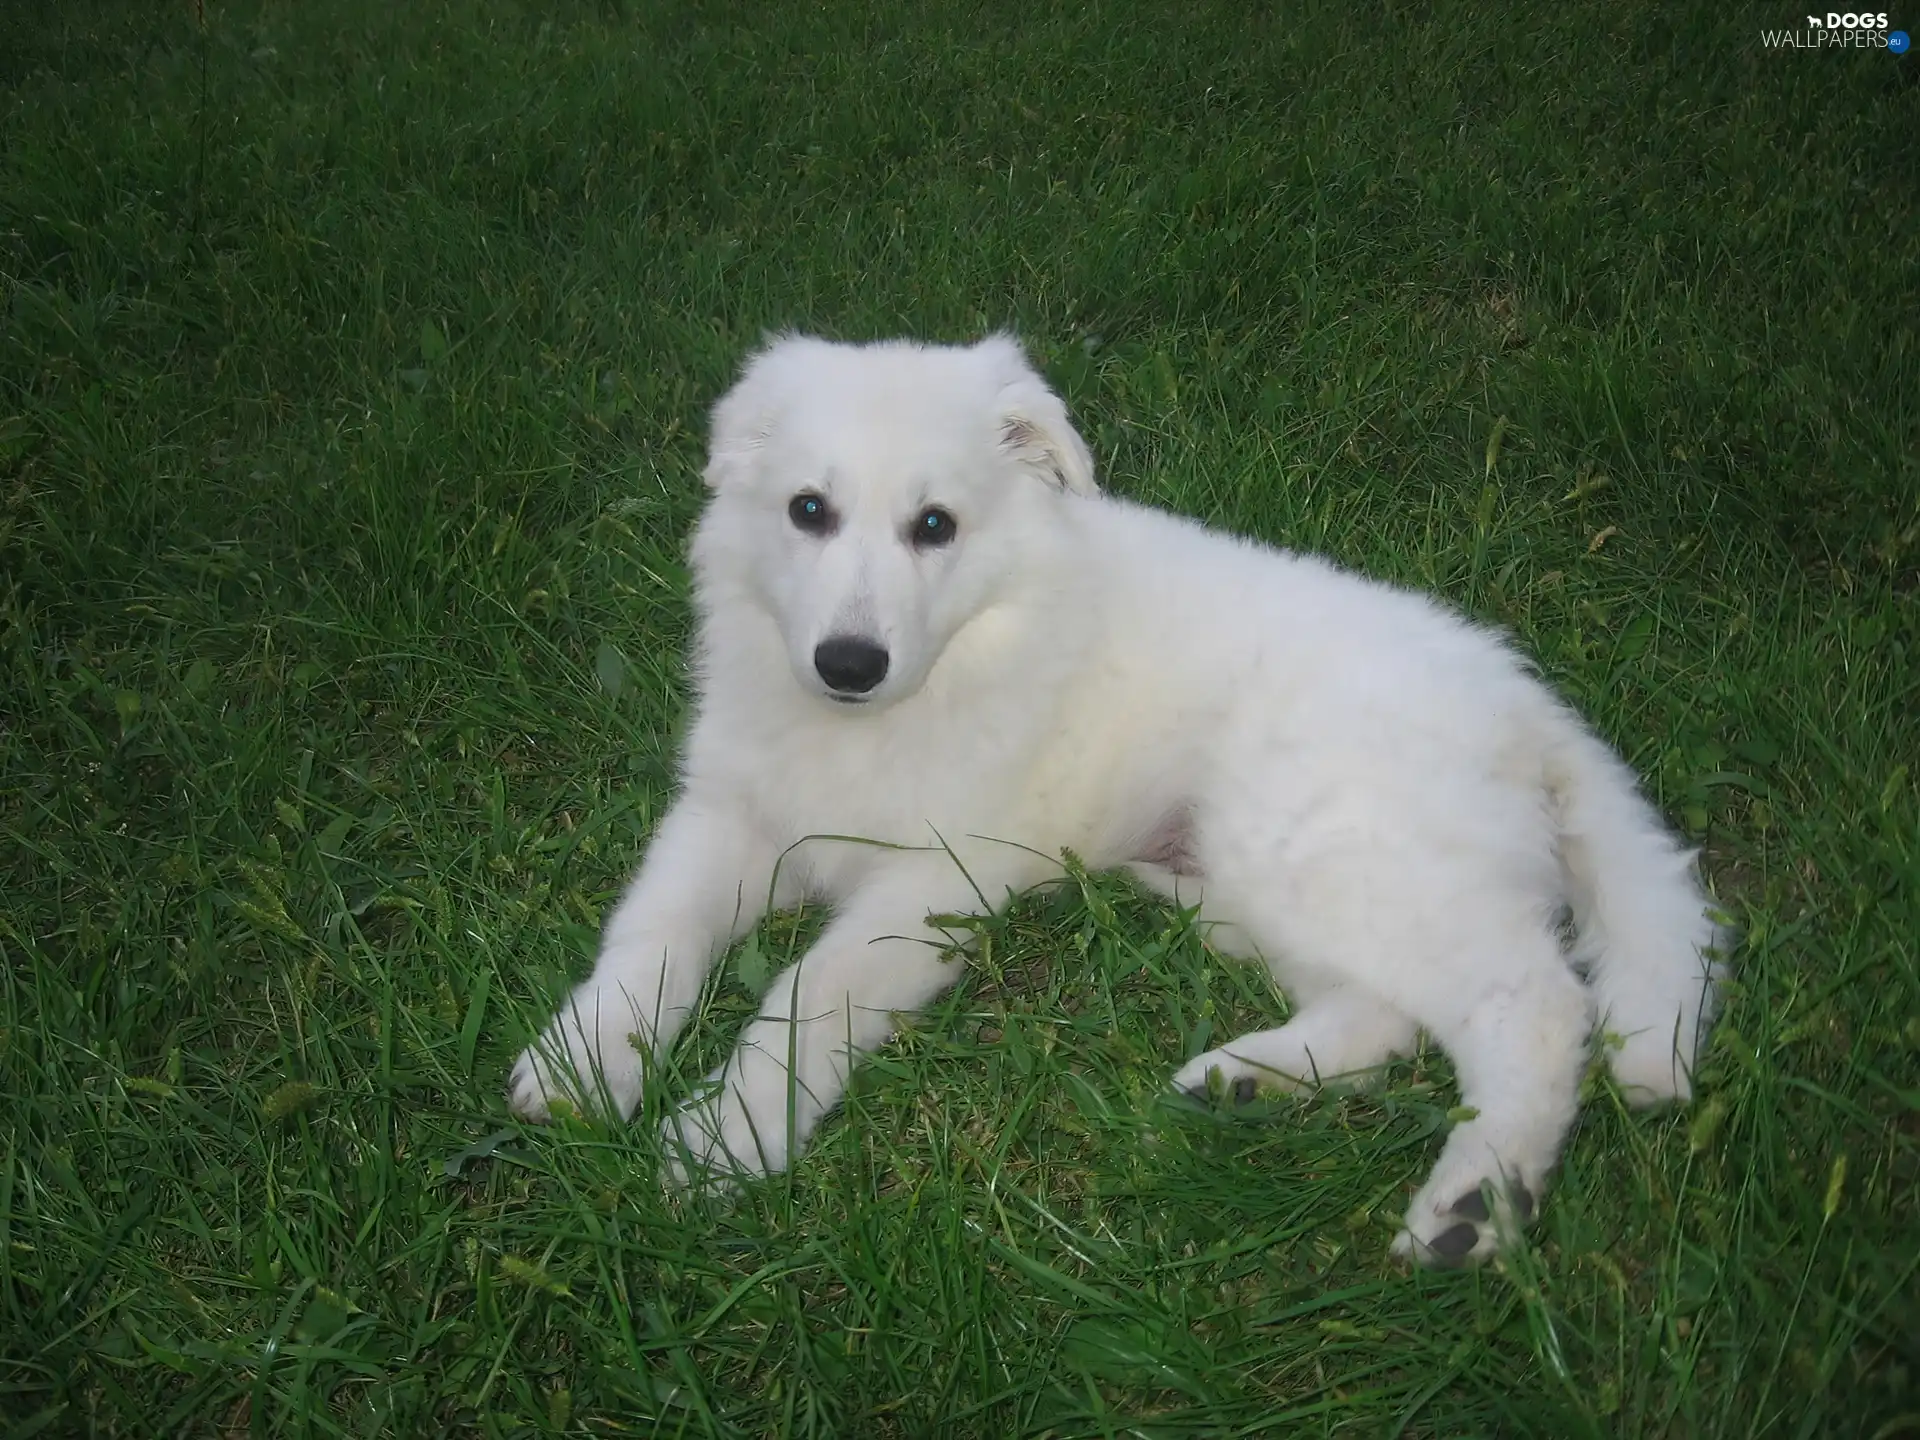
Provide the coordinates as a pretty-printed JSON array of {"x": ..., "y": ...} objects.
[{"x": 875, "y": 498}]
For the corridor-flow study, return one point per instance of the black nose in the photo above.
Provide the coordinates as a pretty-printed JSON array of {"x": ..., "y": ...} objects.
[{"x": 849, "y": 664}]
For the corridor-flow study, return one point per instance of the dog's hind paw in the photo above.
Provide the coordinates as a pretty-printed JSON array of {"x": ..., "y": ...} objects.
[
  {"x": 1650, "y": 1070},
  {"x": 1471, "y": 1228},
  {"x": 1215, "y": 1089},
  {"x": 1221, "y": 1078}
]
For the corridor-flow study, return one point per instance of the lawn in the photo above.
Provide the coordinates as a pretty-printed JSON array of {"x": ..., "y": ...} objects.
[{"x": 354, "y": 361}]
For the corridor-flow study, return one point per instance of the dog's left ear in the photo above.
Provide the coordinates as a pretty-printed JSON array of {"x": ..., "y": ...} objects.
[{"x": 1034, "y": 428}]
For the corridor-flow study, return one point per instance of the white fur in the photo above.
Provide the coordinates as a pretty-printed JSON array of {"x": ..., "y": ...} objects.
[{"x": 1363, "y": 790}]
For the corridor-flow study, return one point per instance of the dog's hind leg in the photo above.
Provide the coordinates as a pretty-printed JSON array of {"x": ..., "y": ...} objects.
[
  {"x": 1338, "y": 1033},
  {"x": 1519, "y": 1049},
  {"x": 1469, "y": 957}
]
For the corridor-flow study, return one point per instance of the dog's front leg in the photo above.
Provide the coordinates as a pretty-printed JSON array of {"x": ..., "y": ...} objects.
[
  {"x": 880, "y": 956},
  {"x": 708, "y": 875}
]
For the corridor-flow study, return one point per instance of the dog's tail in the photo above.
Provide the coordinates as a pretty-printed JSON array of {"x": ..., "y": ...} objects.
[{"x": 1648, "y": 938}]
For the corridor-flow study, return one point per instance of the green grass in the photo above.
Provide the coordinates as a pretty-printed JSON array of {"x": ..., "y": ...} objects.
[{"x": 353, "y": 362}]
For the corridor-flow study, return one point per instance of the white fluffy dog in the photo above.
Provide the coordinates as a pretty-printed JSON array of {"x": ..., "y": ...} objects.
[{"x": 932, "y": 657}]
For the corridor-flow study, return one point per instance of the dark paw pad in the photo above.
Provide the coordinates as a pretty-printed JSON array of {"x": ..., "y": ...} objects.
[
  {"x": 1473, "y": 1205},
  {"x": 1451, "y": 1246},
  {"x": 1242, "y": 1091}
]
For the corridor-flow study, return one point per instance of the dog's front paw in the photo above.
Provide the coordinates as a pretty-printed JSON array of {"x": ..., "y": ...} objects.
[
  {"x": 583, "y": 1067},
  {"x": 1444, "y": 1233},
  {"x": 746, "y": 1122},
  {"x": 717, "y": 1141}
]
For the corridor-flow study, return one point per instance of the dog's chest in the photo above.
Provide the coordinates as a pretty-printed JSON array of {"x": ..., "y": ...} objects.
[
  {"x": 1038, "y": 783},
  {"x": 892, "y": 783}
]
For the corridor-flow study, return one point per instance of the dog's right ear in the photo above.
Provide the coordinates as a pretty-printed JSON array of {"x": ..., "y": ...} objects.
[
  {"x": 1034, "y": 427},
  {"x": 743, "y": 418},
  {"x": 737, "y": 431}
]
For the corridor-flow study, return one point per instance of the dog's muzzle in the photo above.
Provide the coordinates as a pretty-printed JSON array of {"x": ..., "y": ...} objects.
[{"x": 850, "y": 665}]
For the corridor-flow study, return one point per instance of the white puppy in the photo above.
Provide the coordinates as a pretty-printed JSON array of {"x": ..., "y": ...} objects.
[{"x": 932, "y": 656}]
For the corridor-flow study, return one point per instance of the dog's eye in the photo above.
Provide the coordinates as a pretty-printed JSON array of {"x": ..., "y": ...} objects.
[
  {"x": 810, "y": 512},
  {"x": 935, "y": 527}
]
